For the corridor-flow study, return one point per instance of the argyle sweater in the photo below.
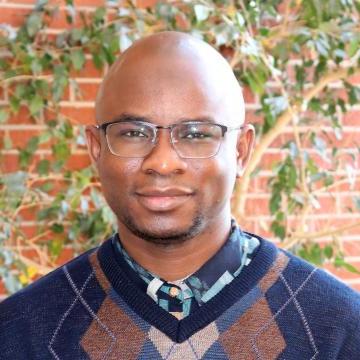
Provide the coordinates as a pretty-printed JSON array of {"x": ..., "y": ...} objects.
[{"x": 279, "y": 308}]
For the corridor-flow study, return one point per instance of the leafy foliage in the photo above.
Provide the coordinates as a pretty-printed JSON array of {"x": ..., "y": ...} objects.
[{"x": 288, "y": 53}]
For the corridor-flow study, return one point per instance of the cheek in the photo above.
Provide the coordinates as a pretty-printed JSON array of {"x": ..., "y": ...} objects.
[
  {"x": 117, "y": 176},
  {"x": 217, "y": 180}
]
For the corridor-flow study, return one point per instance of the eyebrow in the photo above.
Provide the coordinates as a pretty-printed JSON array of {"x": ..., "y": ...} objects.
[{"x": 132, "y": 117}]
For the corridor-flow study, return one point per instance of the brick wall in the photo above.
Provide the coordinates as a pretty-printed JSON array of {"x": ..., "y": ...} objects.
[{"x": 331, "y": 210}]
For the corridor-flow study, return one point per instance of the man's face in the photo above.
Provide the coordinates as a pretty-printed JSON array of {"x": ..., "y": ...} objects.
[{"x": 164, "y": 198}]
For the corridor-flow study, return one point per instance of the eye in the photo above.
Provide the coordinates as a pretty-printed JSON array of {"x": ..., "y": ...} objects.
[
  {"x": 133, "y": 134},
  {"x": 196, "y": 132},
  {"x": 196, "y": 135}
]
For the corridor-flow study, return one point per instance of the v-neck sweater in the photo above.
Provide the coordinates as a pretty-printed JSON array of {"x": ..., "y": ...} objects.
[{"x": 280, "y": 307}]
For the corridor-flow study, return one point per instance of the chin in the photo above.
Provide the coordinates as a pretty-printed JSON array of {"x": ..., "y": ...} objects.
[{"x": 164, "y": 231}]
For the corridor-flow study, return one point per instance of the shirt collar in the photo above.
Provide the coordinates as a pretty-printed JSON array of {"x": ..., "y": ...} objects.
[{"x": 216, "y": 273}]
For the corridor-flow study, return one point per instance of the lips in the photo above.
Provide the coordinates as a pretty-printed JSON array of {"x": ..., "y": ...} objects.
[{"x": 163, "y": 199}]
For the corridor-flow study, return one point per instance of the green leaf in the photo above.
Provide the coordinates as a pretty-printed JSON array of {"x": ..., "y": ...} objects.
[
  {"x": 328, "y": 251},
  {"x": 32, "y": 144},
  {"x": 97, "y": 60},
  {"x": 275, "y": 202},
  {"x": 57, "y": 228},
  {"x": 55, "y": 247},
  {"x": 14, "y": 104},
  {"x": 278, "y": 229},
  {"x": 99, "y": 15},
  {"x": 4, "y": 115},
  {"x": 43, "y": 167},
  {"x": 7, "y": 142},
  {"x": 354, "y": 46},
  {"x": 36, "y": 105},
  {"x": 340, "y": 262},
  {"x": 61, "y": 151},
  {"x": 15, "y": 182},
  {"x": 77, "y": 59},
  {"x": 46, "y": 187},
  {"x": 34, "y": 23}
]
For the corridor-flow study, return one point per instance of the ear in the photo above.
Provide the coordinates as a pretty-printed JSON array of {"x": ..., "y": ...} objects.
[
  {"x": 244, "y": 147},
  {"x": 93, "y": 143}
]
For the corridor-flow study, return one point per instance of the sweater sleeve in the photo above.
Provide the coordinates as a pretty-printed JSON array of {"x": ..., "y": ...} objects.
[{"x": 351, "y": 345}]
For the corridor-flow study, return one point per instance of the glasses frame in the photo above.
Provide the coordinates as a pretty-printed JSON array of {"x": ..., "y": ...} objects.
[{"x": 156, "y": 128}]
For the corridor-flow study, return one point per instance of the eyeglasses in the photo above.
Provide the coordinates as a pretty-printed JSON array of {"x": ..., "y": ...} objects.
[{"x": 191, "y": 140}]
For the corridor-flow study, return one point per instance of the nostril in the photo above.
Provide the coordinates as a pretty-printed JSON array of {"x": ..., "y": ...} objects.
[{"x": 149, "y": 171}]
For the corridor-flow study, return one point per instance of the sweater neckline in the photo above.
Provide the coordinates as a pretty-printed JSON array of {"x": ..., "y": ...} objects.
[{"x": 120, "y": 276}]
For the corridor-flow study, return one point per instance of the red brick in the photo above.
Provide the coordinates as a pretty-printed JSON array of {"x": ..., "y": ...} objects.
[
  {"x": 76, "y": 115},
  {"x": 253, "y": 118},
  {"x": 96, "y": 3},
  {"x": 349, "y": 139},
  {"x": 8, "y": 163},
  {"x": 78, "y": 162},
  {"x": 351, "y": 118},
  {"x": 355, "y": 286},
  {"x": 22, "y": 117},
  {"x": 14, "y": 17},
  {"x": 249, "y": 96},
  {"x": 281, "y": 140},
  {"x": 20, "y": 138},
  {"x": 269, "y": 160},
  {"x": 263, "y": 229},
  {"x": 262, "y": 184},
  {"x": 89, "y": 70},
  {"x": 66, "y": 255},
  {"x": 335, "y": 222},
  {"x": 28, "y": 213},
  {"x": 3, "y": 291},
  {"x": 346, "y": 202},
  {"x": 58, "y": 21},
  {"x": 327, "y": 204},
  {"x": 248, "y": 225},
  {"x": 354, "y": 79},
  {"x": 87, "y": 92},
  {"x": 57, "y": 3},
  {"x": 257, "y": 206},
  {"x": 182, "y": 21},
  {"x": 145, "y": 3},
  {"x": 29, "y": 231},
  {"x": 342, "y": 273},
  {"x": 26, "y": 2},
  {"x": 351, "y": 248}
]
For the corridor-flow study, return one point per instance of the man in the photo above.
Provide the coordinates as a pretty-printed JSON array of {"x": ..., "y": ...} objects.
[{"x": 180, "y": 280}]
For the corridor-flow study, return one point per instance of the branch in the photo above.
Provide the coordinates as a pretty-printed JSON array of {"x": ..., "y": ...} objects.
[
  {"x": 19, "y": 78},
  {"x": 318, "y": 234},
  {"x": 280, "y": 125}
]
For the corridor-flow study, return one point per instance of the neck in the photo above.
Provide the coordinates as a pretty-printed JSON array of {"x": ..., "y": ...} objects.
[{"x": 177, "y": 261}]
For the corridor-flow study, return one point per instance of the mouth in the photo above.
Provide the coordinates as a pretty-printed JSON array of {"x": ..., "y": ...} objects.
[{"x": 163, "y": 199}]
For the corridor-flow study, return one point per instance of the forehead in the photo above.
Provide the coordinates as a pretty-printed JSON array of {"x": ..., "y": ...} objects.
[{"x": 165, "y": 89}]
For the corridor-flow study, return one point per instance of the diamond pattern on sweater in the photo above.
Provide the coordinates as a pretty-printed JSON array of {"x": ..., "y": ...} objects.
[
  {"x": 194, "y": 348},
  {"x": 121, "y": 326},
  {"x": 242, "y": 341}
]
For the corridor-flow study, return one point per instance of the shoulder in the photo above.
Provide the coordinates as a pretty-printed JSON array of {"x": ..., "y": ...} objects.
[
  {"x": 299, "y": 276},
  {"x": 48, "y": 291},
  {"x": 320, "y": 294},
  {"x": 315, "y": 290},
  {"x": 320, "y": 282}
]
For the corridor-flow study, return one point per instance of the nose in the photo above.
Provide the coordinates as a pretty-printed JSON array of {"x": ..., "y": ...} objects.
[{"x": 163, "y": 159}]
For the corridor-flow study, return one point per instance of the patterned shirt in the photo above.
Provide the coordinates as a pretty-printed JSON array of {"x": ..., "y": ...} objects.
[{"x": 182, "y": 297}]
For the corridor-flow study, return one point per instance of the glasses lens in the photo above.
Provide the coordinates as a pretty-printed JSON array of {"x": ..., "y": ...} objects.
[
  {"x": 130, "y": 139},
  {"x": 197, "y": 140}
]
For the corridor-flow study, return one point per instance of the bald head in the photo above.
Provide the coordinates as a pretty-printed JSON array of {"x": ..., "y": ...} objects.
[
  {"x": 167, "y": 65},
  {"x": 169, "y": 79}
]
